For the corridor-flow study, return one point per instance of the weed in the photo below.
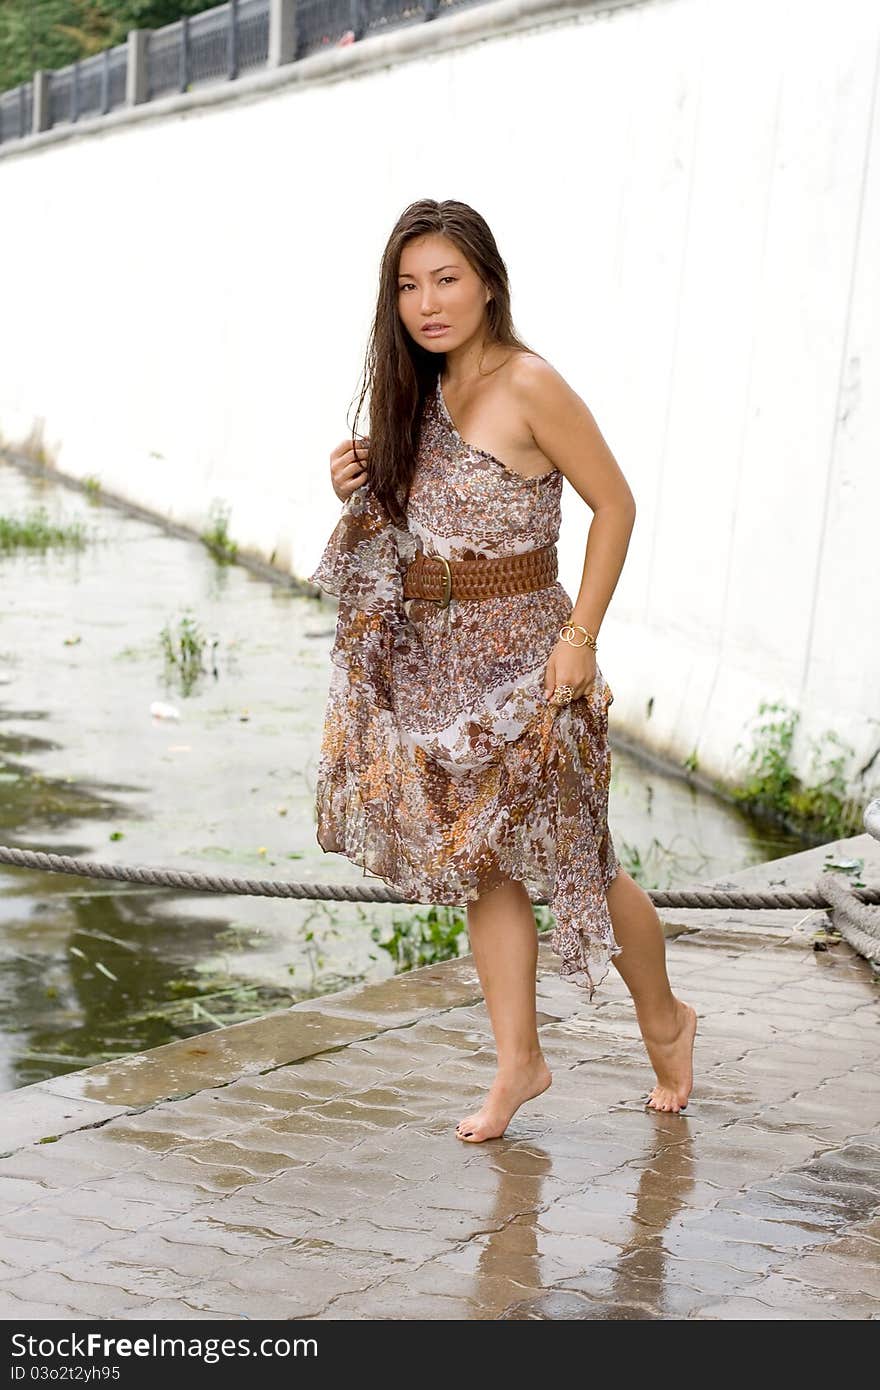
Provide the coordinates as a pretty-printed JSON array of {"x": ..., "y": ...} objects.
[
  {"x": 184, "y": 650},
  {"x": 422, "y": 938},
  {"x": 217, "y": 538},
  {"x": 819, "y": 807},
  {"x": 440, "y": 933},
  {"x": 36, "y": 532}
]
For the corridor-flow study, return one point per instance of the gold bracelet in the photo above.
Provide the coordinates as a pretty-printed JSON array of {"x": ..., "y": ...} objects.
[{"x": 567, "y": 631}]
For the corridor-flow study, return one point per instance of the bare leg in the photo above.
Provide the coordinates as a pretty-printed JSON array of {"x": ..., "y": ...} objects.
[
  {"x": 667, "y": 1024},
  {"x": 504, "y": 941}
]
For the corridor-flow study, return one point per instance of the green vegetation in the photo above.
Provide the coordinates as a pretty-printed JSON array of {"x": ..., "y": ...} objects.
[
  {"x": 217, "y": 538},
  {"x": 817, "y": 807},
  {"x": 92, "y": 484},
  {"x": 439, "y": 933},
  {"x": 52, "y": 33},
  {"x": 183, "y": 651},
  {"x": 423, "y": 938},
  {"x": 35, "y": 532}
]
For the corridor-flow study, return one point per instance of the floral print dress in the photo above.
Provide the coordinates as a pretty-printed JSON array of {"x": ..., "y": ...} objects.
[{"x": 443, "y": 769}]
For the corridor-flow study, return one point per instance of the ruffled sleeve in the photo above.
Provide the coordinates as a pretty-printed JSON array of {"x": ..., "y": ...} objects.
[
  {"x": 365, "y": 559},
  {"x": 363, "y": 564}
]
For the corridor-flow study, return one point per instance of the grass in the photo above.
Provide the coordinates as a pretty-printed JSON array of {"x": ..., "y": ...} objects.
[
  {"x": 184, "y": 650},
  {"x": 437, "y": 933},
  {"x": 818, "y": 805},
  {"x": 35, "y": 531},
  {"x": 217, "y": 538}
]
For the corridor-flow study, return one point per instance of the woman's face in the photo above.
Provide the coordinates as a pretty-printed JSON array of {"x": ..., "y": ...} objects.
[{"x": 438, "y": 285}]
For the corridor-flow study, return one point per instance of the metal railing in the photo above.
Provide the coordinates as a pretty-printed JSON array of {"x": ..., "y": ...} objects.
[{"x": 218, "y": 45}]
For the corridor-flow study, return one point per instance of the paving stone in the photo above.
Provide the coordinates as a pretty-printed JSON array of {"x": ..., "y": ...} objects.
[
  {"x": 17, "y": 1309},
  {"x": 16, "y": 1193},
  {"x": 559, "y": 1306},
  {"x": 145, "y": 1280},
  {"x": 24, "y": 1253},
  {"x": 106, "y": 1210},
  {"x": 40, "y": 1164},
  {"x": 50, "y": 1224},
  {"x": 33, "y": 1112},
  {"x": 751, "y": 1310},
  {"x": 529, "y": 1254},
  {"x": 308, "y": 1276},
  {"x": 365, "y": 1237},
  {"x": 485, "y": 1294},
  {"x": 220, "y": 1299},
  {"x": 226, "y": 1224},
  {"x": 870, "y": 1228},
  {"x": 829, "y": 1271},
  {"x": 655, "y": 1283},
  {"x": 240, "y": 1156},
  {"x": 154, "y": 1191},
  {"x": 150, "y": 1249},
  {"x": 788, "y": 1294},
  {"x": 49, "y": 1287},
  {"x": 690, "y": 1241},
  {"x": 166, "y": 1309},
  {"x": 306, "y": 1165},
  {"x": 303, "y": 1190}
]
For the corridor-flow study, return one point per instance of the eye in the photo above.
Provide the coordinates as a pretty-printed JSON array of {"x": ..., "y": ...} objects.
[{"x": 453, "y": 278}]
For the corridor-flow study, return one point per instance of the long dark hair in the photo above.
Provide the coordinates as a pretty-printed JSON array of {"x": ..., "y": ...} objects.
[{"x": 399, "y": 374}]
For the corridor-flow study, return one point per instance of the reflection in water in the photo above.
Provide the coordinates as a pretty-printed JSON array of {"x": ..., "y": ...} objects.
[
  {"x": 559, "y": 1247},
  {"x": 640, "y": 1271}
]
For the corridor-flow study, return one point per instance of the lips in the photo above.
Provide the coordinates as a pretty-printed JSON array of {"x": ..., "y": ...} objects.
[{"x": 435, "y": 327}]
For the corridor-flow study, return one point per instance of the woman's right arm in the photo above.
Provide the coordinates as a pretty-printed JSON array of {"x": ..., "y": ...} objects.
[{"x": 347, "y": 471}]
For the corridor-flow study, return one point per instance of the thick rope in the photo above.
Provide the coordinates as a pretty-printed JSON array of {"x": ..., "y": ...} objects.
[
  {"x": 820, "y": 897},
  {"x": 857, "y": 923}
]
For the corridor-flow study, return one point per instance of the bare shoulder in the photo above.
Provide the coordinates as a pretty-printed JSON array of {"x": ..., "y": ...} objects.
[
  {"x": 538, "y": 377},
  {"x": 565, "y": 430}
]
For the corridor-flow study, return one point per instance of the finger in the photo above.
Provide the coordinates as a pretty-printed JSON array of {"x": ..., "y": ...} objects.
[
  {"x": 345, "y": 449},
  {"x": 353, "y": 486},
  {"x": 349, "y": 469},
  {"x": 549, "y": 681}
]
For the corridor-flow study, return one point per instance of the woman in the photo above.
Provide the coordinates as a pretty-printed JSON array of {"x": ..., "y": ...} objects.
[{"x": 465, "y": 756}]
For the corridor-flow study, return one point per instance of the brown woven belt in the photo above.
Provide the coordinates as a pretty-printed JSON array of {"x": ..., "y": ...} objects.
[{"x": 435, "y": 577}]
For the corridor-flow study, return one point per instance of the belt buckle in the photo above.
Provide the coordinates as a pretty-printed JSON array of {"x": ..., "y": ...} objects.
[{"x": 447, "y": 581}]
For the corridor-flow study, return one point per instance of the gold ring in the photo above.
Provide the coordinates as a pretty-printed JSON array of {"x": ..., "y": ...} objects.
[{"x": 562, "y": 695}]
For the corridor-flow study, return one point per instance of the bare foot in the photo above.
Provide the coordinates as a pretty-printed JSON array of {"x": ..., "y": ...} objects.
[
  {"x": 672, "y": 1060},
  {"x": 507, "y": 1093}
]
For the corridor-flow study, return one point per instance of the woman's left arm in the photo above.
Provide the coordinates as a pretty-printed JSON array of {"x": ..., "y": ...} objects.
[{"x": 565, "y": 430}]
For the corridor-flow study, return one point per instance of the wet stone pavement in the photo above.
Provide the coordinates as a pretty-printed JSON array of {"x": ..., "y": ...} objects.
[{"x": 304, "y": 1164}]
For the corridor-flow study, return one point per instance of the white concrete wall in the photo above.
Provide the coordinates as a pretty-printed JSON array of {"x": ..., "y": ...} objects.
[{"x": 687, "y": 195}]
